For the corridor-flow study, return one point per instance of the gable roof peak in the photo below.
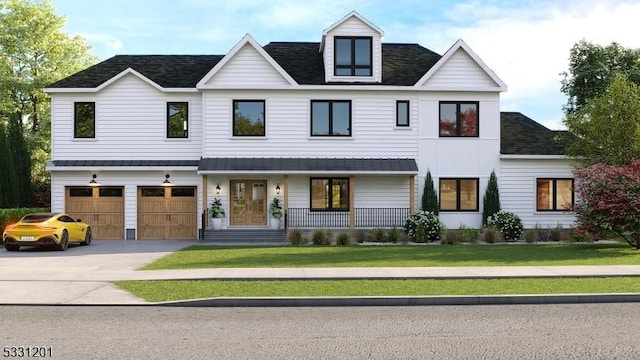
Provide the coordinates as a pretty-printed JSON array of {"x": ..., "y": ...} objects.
[{"x": 349, "y": 16}]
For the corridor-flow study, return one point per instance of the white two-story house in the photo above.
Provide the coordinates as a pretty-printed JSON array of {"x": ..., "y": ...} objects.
[{"x": 343, "y": 131}]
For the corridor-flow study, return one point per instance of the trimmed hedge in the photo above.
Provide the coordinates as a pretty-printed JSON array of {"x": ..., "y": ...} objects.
[{"x": 10, "y": 216}]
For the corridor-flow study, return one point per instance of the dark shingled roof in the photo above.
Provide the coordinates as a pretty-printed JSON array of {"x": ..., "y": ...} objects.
[
  {"x": 168, "y": 71},
  {"x": 125, "y": 162},
  {"x": 520, "y": 135},
  {"x": 402, "y": 65},
  {"x": 308, "y": 164}
]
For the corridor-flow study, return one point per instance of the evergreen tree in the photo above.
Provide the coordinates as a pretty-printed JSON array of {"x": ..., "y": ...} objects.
[
  {"x": 20, "y": 159},
  {"x": 491, "y": 199},
  {"x": 429, "y": 196},
  {"x": 5, "y": 168}
]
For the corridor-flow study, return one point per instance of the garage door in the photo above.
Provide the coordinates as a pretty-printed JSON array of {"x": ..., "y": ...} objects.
[
  {"x": 100, "y": 207},
  {"x": 167, "y": 213}
]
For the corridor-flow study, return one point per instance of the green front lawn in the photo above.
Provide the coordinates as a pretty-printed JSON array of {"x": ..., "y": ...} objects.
[
  {"x": 170, "y": 290},
  {"x": 198, "y": 257}
]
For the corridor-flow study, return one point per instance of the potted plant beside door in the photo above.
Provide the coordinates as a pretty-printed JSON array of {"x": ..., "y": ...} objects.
[
  {"x": 217, "y": 213},
  {"x": 276, "y": 213}
]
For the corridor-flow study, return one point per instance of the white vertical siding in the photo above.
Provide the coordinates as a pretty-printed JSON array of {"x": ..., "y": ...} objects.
[
  {"x": 460, "y": 72},
  {"x": 517, "y": 186},
  {"x": 131, "y": 123},
  {"x": 353, "y": 27},
  {"x": 247, "y": 68}
]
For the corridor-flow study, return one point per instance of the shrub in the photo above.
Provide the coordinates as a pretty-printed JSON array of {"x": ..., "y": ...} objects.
[
  {"x": 423, "y": 226},
  {"x": 429, "y": 196},
  {"x": 320, "y": 237},
  {"x": 361, "y": 236},
  {"x": 378, "y": 235},
  {"x": 508, "y": 223},
  {"x": 393, "y": 235},
  {"x": 531, "y": 236},
  {"x": 10, "y": 216},
  {"x": 343, "y": 238},
  {"x": 468, "y": 234},
  {"x": 491, "y": 235},
  {"x": 452, "y": 237},
  {"x": 579, "y": 235},
  {"x": 491, "y": 199},
  {"x": 294, "y": 237},
  {"x": 557, "y": 233}
]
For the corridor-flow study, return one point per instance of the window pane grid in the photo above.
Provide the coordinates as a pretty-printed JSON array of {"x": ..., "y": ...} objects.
[
  {"x": 177, "y": 120},
  {"x": 330, "y": 118},
  {"x": 459, "y": 119},
  {"x": 353, "y": 56},
  {"x": 248, "y": 118},
  {"x": 554, "y": 194},
  {"x": 459, "y": 194},
  {"x": 329, "y": 194}
]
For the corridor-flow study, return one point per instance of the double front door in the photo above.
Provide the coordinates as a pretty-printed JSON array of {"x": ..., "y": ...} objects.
[{"x": 248, "y": 203}]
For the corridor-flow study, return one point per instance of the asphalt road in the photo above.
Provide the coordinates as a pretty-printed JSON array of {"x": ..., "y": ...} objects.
[{"x": 584, "y": 331}]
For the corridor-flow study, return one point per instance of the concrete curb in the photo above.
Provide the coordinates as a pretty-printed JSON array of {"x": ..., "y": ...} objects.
[{"x": 404, "y": 301}]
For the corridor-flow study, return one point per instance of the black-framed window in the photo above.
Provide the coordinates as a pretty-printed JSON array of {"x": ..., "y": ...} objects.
[
  {"x": 248, "y": 118},
  {"x": 459, "y": 194},
  {"x": 554, "y": 194},
  {"x": 459, "y": 118},
  {"x": 329, "y": 194},
  {"x": 330, "y": 117},
  {"x": 84, "y": 120},
  {"x": 177, "y": 120},
  {"x": 402, "y": 113},
  {"x": 353, "y": 56}
]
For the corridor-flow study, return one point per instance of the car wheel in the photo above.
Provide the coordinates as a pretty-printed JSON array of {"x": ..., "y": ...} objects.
[
  {"x": 87, "y": 237},
  {"x": 11, "y": 247},
  {"x": 64, "y": 241}
]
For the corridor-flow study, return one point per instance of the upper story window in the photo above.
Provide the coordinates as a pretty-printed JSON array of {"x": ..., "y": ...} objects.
[
  {"x": 459, "y": 194},
  {"x": 248, "y": 118},
  {"x": 402, "y": 113},
  {"x": 330, "y": 118},
  {"x": 329, "y": 193},
  {"x": 84, "y": 120},
  {"x": 177, "y": 120},
  {"x": 554, "y": 194},
  {"x": 459, "y": 118},
  {"x": 353, "y": 56}
]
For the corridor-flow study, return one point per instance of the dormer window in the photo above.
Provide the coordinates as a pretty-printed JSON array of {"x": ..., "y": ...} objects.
[{"x": 353, "y": 56}]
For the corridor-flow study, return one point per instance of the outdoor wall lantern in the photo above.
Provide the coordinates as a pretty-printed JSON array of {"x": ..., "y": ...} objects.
[
  {"x": 166, "y": 181},
  {"x": 278, "y": 189},
  {"x": 218, "y": 189},
  {"x": 93, "y": 181}
]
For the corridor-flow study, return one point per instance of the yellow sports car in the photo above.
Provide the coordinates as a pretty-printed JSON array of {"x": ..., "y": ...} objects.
[{"x": 46, "y": 229}]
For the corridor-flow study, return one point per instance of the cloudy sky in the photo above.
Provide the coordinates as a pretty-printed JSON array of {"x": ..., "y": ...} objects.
[{"x": 526, "y": 43}]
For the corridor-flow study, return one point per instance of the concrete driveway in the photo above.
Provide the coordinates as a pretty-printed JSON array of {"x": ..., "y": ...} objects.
[{"x": 79, "y": 275}]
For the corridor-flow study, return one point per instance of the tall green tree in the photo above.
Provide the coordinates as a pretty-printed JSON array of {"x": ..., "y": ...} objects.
[
  {"x": 592, "y": 67},
  {"x": 429, "y": 196},
  {"x": 6, "y": 168},
  {"x": 20, "y": 158},
  {"x": 606, "y": 129},
  {"x": 34, "y": 52},
  {"x": 491, "y": 199}
]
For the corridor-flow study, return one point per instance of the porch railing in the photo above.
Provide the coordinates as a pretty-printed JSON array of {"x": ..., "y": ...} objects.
[{"x": 363, "y": 218}]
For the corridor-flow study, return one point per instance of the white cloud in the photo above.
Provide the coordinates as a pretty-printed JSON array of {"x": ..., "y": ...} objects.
[
  {"x": 109, "y": 41},
  {"x": 529, "y": 48}
]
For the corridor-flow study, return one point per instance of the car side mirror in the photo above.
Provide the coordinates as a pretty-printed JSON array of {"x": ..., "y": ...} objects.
[{"x": 78, "y": 220}]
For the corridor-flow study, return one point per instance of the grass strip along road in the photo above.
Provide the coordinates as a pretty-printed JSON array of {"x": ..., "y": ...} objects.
[{"x": 171, "y": 290}]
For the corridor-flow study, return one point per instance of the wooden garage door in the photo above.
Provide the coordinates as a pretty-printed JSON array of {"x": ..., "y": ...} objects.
[
  {"x": 167, "y": 213},
  {"x": 100, "y": 207}
]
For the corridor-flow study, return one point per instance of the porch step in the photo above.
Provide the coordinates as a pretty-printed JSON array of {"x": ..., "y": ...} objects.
[{"x": 245, "y": 237}]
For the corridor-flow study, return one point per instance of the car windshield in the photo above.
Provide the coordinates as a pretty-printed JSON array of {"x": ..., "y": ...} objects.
[{"x": 36, "y": 218}]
